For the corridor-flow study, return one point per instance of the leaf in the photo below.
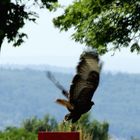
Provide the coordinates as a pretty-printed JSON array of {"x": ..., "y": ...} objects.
[
  {"x": 135, "y": 47},
  {"x": 102, "y": 22}
]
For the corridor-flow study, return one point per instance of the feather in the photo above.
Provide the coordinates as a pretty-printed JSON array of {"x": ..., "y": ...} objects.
[
  {"x": 65, "y": 103},
  {"x": 83, "y": 86},
  {"x": 87, "y": 78},
  {"x": 57, "y": 84}
]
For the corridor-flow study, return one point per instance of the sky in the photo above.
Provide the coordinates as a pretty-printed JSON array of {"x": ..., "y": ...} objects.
[{"x": 46, "y": 45}]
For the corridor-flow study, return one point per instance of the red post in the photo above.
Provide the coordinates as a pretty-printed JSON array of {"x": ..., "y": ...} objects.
[{"x": 59, "y": 136}]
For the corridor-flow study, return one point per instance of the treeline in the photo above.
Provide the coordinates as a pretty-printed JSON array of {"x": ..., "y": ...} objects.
[{"x": 91, "y": 129}]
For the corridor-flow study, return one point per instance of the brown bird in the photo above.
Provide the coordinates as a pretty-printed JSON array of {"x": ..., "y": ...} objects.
[{"x": 83, "y": 86}]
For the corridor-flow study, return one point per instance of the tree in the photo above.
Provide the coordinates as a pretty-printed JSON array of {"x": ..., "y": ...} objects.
[
  {"x": 15, "y": 13},
  {"x": 103, "y": 24},
  {"x": 91, "y": 130},
  {"x": 34, "y": 124},
  {"x": 13, "y": 133}
]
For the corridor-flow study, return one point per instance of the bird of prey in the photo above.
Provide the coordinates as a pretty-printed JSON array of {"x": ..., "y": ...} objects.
[{"x": 79, "y": 98}]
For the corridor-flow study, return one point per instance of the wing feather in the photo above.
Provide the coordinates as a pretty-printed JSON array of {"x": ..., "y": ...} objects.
[
  {"x": 86, "y": 80},
  {"x": 87, "y": 64},
  {"x": 75, "y": 87}
]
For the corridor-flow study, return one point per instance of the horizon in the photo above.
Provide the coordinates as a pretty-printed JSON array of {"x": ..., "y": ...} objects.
[{"x": 53, "y": 68}]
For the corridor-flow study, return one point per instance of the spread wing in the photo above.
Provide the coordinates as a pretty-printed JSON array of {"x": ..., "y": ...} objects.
[
  {"x": 86, "y": 80},
  {"x": 57, "y": 84}
]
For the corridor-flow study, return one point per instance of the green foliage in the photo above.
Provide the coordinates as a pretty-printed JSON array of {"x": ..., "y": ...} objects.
[
  {"x": 102, "y": 22},
  {"x": 93, "y": 128},
  {"x": 17, "y": 134},
  {"x": 34, "y": 125},
  {"x": 14, "y": 14},
  {"x": 90, "y": 130},
  {"x": 50, "y": 4}
]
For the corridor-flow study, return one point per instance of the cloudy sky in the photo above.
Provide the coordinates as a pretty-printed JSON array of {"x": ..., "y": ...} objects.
[{"x": 47, "y": 45}]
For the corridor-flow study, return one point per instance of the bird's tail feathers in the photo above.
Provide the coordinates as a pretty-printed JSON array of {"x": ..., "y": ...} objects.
[
  {"x": 57, "y": 84},
  {"x": 65, "y": 103}
]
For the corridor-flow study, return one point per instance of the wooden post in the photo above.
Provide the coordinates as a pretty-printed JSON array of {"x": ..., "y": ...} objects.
[{"x": 59, "y": 136}]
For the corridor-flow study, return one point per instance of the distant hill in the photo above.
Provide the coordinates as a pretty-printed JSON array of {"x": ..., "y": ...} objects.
[
  {"x": 38, "y": 68},
  {"x": 25, "y": 93}
]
